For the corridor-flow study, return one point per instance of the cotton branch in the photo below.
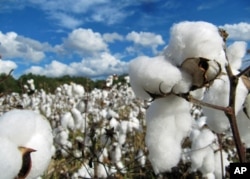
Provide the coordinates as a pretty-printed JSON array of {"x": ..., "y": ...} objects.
[{"x": 231, "y": 115}]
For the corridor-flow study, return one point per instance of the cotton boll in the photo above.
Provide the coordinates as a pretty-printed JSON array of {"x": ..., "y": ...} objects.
[
  {"x": 29, "y": 129},
  {"x": 78, "y": 119},
  {"x": 102, "y": 171},
  {"x": 10, "y": 159},
  {"x": 217, "y": 163},
  {"x": 77, "y": 90},
  {"x": 235, "y": 53},
  {"x": 116, "y": 153},
  {"x": 85, "y": 172},
  {"x": 147, "y": 74},
  {"x": 201, "y": 151},
  {"x": 67, "y": 121},
  {"x": 195, "y": 39},
  {"x": 165, "y": 132},
  {"x": 141, "y": 158}
]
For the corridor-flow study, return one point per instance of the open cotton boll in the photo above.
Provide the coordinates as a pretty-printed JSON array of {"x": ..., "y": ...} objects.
[
  {"x": 26, "y": 128},
  {"x": 78, "y": 119},
  {"x": 146, "y": 74},
  {"x": 67, "y": 121},
  {"x": 235, "y": 53},
  {"x": 168, "y": 120},
  {"x": 195, "y": 39},
  {"x": 217, "y": 163},
  {"x": 10, "y": 159}
]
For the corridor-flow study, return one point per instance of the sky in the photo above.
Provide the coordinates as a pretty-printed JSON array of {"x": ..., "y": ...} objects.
[{"x": 96, "y": 38}]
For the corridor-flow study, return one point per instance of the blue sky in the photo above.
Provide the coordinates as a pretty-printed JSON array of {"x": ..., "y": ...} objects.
[{"x": 99, "y": 37}]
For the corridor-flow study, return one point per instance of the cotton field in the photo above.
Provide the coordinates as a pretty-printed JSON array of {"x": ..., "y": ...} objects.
[
  {"x": 98, "y": 133},
  {"x": 142, "y": 128}
]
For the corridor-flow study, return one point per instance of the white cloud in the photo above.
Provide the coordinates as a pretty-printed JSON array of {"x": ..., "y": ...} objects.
[
  {"x": 14, "y": 46},
  {"x": 100, "y": 66},
  {"x": 66, "y": 20},
  {"x": 111, "y": 37},
  {"x": 109, "y": 14},
  {"x": 77, "y": 12},
  {"x": 145, "y": 38},
  {"x": 6, "y": 66},
  {"x": 84, "y": 42},
  {"x": 240, "y": 31}
]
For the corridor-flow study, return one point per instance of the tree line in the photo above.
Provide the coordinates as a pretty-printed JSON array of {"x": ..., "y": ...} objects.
[{"x": 9, "y": 84}]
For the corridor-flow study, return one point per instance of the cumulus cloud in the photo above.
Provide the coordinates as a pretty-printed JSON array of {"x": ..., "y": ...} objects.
[
  {"x": 240, "y": 31},
  {"x": 14, "y": 46},
  {"x": 94, "y": 67},
  {"x": 111, "y": 37},
  {"x": 6, "y": 66},
  {"x": 145, "y": 38},
  {"x": 84, "y": 42}
]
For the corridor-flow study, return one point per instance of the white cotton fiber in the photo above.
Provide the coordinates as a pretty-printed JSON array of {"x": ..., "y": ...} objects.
[
  {"x": 195, "y": 39},
  {"x": 18, "y": 126},
  {"x": 202, "y": 154},
  {"x": 10, "y": 159},
  {"x": 147, "y": 74},
  {"x": 244, "y": 128},
  {"x": 168, "y": 121},
  {"x": 217, "y": 163},
  {"x": 218, "y": 94},
  {"x": 235, "y": 53}
]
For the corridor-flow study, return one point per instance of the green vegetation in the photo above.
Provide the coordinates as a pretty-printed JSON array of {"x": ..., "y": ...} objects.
[{"x": 49, "y": 84}]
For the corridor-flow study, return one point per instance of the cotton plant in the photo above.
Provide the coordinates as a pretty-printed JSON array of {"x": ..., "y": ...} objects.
[{"x": 194, "y": 63}]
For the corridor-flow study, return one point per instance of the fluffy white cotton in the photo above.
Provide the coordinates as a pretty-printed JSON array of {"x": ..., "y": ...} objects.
[
  {"x": 77, "y": 116},
  {"x": 102, "y": 171},
  {"x": 18, "y": 126},
  {"x": 202, "y": 154},
  {"x": 67, "y": 121},
  {"x": 244, "y": 128},
  {"x": 10, "y": 159},
  {"x": 218, "y": 94},
  {"x": 217, "y": 163},
  {"x": 29, "y": 129},
  {"x": 147, "y": 74},
  {"x": 77, "y": 90},
  {"x": 195, "y": 39},
  {"x": 168, "y": 121},
  {"x": 235, "y": 53}
]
